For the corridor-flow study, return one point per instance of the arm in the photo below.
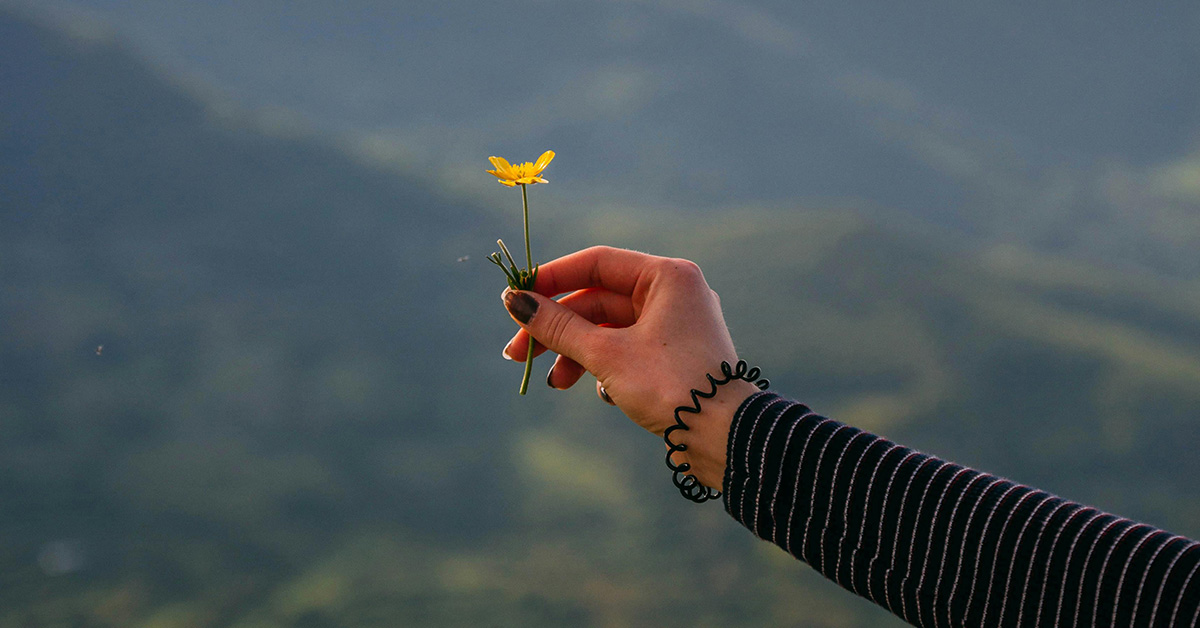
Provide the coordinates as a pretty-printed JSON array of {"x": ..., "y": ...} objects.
[
  {"x": 934, "y": 542},
  {"x": 940, "y": 544}
]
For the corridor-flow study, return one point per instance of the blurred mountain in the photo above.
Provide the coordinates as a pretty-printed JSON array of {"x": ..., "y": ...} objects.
[
  {"x": 1068, "y": 129},
  {"x": 245, "y": 379}
]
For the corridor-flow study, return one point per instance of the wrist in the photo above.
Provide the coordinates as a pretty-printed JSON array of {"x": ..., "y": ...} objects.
[{"x": 707, "y": 436}]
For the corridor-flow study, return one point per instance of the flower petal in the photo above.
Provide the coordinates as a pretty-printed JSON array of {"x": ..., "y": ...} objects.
[
  {"x": 501, "y": 164},
  {"x": 506, "y": 182},
  {"x": 544, "y": 160}
]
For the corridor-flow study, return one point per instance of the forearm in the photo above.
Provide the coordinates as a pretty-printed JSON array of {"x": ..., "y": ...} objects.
[{"x": 940, "y": 544}]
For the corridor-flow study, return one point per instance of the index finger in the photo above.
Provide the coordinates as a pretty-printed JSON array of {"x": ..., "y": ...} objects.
[{"x": 617, "y": 270}]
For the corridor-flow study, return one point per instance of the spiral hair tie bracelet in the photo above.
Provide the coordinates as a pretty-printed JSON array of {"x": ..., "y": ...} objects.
[{"x": 688, "y": 485}]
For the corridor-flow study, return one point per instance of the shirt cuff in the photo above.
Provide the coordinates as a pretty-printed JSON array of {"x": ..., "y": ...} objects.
[{"x": 762, "y": 428}]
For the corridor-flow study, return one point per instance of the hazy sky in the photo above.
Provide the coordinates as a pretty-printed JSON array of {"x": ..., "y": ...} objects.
[{"x": 953, "y": 111}]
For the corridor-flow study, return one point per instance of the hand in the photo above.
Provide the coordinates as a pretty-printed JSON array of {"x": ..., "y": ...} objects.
[{"x": 648, "y": 328}]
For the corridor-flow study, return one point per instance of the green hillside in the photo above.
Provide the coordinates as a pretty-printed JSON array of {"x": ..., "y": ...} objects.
[{"x": 245, "y": 381}]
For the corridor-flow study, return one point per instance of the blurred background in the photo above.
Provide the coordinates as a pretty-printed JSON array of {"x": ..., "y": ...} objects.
[{"x": 249, "y": 370}]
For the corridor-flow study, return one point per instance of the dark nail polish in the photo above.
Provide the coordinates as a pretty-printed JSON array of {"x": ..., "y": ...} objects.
[
  {"x": 521, "y": 306},
  {"x": 548, "y": 376}
]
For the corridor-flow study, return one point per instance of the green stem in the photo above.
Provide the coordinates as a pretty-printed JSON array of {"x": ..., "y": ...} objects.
[
  {"x": 528, "y": 367},
  {"x": 511, "y": 261},
  {"x": 529, "y": 268},
  {"x": 525, "y": 206}
]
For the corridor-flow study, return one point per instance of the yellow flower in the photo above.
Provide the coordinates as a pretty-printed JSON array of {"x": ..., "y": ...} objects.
[{"x": 520, "y": 174}]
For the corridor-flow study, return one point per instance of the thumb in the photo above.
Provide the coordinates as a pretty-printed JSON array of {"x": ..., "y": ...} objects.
[{"x": 554, "y": 325}]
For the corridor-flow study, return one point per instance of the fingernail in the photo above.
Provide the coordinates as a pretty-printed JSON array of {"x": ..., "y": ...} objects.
[
  {"x": 548, "y": 376},
  {"x": 521, "y": 306},
  {"x": 504, "y": 352}
]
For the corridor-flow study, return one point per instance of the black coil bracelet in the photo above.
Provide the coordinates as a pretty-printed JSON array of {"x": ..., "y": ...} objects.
[{"x": 688, "y": 485}]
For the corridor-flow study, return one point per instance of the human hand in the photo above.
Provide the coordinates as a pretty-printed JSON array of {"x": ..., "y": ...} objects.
[{"x": 648, "y": 328}]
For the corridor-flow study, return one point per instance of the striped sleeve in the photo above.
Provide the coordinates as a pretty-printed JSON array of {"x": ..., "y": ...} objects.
[{"x": 939, "y": 544}]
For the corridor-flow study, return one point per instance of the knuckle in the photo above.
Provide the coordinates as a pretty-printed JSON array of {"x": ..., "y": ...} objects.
[
  {"x": 596, "y": 312},
  {"x": 686, "y": 270},
  {"x": 556, "y": 328}
]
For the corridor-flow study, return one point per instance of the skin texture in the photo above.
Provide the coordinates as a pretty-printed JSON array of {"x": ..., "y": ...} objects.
[{"x": 647, "y": 328}]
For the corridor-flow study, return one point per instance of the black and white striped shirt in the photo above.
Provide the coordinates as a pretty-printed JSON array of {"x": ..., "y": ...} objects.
[{"x": 939, "y": 544}]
